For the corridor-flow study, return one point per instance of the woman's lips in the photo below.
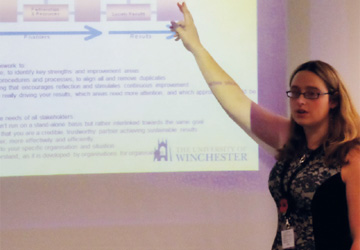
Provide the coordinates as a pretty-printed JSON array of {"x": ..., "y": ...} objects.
[{"x": 301, "y": 111}]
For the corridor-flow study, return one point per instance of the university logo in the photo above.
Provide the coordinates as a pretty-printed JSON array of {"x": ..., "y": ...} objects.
[{"x": 162, "y": 152}]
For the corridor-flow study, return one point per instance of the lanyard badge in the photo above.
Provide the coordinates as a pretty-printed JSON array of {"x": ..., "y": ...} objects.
[
  {"x": 286, "y": 204},
  {"x": 288, "y": 238},
  {"x": 287, "y": 233}
]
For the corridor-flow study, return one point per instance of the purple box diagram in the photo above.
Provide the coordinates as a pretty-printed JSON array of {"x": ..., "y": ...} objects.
[
  {"x": 128, "y": 12},
  {"x": 46, "y": 12},
  {"x": 8, "y": 11},
  {"x": 90, "y": 11},
  {"x": 167, "y": 10},
  {"x": 87, "y": 10}
]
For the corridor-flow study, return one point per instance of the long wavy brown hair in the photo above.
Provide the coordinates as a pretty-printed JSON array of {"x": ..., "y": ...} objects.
[{"x": 344, "y": 122}]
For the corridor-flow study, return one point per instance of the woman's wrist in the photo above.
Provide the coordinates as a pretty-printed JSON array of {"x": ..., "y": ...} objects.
[{"x": 198, "y": 50}]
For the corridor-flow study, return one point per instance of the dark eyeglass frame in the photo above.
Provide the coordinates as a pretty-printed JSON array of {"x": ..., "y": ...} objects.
[{"x": 307, "y": 94}]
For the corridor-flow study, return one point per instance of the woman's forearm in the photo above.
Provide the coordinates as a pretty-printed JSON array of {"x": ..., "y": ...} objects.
[{"x": 224, "y": 88}]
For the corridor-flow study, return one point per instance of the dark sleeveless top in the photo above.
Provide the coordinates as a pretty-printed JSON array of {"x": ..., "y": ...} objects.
[
  {"x": 311, "y": 186},
  {"x": 330, "y": 216}
]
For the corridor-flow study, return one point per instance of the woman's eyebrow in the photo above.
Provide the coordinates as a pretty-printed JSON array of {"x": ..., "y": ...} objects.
[
  {"x": 306, "y": 88},
  {"x": 294, "y": 88},
  {"x": 312, "y": 88}
]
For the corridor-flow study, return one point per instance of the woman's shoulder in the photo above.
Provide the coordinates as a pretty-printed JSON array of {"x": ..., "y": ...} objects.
[
  {"x": 353, "y": 156},
  {"x": 352, "y": 168}
]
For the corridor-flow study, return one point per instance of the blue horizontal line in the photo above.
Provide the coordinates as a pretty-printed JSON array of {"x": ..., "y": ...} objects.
[
  {"x": 91, "y": 33},
  {"x": 24, "y": 33}
]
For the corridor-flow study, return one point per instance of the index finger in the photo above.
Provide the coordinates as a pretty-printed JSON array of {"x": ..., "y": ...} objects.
[{"x": 187, "y": 15}]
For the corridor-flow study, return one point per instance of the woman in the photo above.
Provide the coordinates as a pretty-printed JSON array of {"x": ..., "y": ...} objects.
[{"x": 316, "y": 180}]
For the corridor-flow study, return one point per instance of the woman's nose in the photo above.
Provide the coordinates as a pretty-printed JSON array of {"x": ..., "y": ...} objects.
[{"x": 301, "y": 99}]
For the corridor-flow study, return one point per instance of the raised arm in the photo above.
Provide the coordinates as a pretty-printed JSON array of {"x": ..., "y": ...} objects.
[{"x": 261, "y": 125}]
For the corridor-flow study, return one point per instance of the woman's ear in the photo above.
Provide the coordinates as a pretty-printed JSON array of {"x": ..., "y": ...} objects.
[{"x": 334, "y": 100}]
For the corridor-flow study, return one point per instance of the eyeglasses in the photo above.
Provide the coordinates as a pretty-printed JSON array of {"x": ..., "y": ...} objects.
[{"x": 307, "y": 94}]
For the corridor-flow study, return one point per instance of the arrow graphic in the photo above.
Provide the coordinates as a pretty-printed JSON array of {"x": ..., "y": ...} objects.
[{"x": 91, "y": 33}]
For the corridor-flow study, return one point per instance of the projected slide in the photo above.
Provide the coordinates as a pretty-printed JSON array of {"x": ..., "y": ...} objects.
[{"x": 102, "y": 87}]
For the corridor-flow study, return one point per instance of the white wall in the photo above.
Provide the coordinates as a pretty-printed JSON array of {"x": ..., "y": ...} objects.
[{"x": 327, "y": 30}]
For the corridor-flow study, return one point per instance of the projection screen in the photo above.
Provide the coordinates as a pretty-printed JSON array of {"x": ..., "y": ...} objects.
[{"x": 102, "y": 87}]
